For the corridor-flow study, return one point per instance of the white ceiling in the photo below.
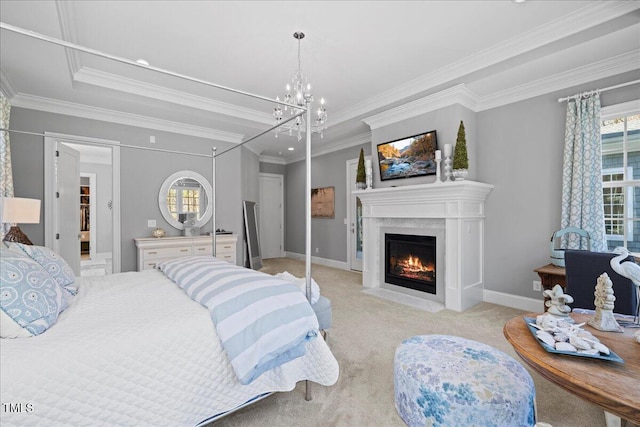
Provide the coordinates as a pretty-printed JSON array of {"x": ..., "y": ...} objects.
[{"x": 363, "y": 57}]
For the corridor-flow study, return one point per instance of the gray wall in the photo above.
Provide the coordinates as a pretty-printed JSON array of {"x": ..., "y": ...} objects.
[
  {"x": 329, "y": 236},
  {"x": 445, "y": 122},
  {"x": 273, "y": 168},
  {"x": 142, "y": 172},
  {"x": 520, "y": 152}
]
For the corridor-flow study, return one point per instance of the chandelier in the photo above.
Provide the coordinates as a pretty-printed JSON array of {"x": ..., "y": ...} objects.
[{"x": 299, "y": 93}]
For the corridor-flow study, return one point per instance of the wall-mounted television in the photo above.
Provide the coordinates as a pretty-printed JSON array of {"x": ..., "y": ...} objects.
[{"x": 408, "y": 157}]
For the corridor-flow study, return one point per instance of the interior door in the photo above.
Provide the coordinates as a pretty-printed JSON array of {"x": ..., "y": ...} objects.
[
  {"x": 67, "y": 242},
  {"x": 354, "y": 220},
  {"x": 271, "y": 216}
]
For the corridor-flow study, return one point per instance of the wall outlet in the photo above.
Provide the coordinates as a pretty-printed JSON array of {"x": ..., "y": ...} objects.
[
  {"x": 537, "y": 285},
  {"x": 151, "y": 223},
  {"x": 316, "y": 250}
]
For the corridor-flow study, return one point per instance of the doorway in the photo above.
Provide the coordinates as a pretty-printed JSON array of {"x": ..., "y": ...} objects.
[
  {"x": 354, "y": 219},
  {"x": 99, "y": 157},
  {"x": 271, "y": 215}
]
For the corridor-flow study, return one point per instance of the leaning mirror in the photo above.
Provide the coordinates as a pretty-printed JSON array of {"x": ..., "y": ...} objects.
[{"x": 185, "y": 200}]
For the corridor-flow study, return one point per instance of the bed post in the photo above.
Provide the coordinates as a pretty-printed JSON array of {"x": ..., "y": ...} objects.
[
  {"x": 213, "y": 200},
  {"x": 308, "y": 222}
]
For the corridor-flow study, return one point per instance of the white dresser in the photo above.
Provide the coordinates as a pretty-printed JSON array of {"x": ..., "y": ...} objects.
[{"x": 152, "y": 250}]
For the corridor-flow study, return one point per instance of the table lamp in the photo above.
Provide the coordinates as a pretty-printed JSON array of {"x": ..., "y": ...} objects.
[{"x": 19, "y": 210}]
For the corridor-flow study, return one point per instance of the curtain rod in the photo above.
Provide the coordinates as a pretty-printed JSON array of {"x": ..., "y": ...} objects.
[{"x": 591, "y": 92}]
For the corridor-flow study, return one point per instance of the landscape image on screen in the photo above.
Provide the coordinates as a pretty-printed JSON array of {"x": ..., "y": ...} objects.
[{"x": 408, "y": 157}]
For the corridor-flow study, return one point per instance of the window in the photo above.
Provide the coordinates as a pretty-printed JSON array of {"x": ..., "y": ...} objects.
[{"x": 620, "y": 132}]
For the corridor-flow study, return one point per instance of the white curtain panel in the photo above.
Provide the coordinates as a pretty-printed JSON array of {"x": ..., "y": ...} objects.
[
  {"x": 582, "y": 204},
  {"x": 6, "y": 173}
]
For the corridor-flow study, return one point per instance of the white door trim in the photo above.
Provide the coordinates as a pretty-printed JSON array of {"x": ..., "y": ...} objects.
[
  {"x": 49, "y": 188},
  {"x": 350, "y": 187},
  {"x": 281, "y": 179}
]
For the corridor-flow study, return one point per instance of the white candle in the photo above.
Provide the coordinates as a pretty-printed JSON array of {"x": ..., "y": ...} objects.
[
  {"x": 448, "y": 150},
  {"x": 438, "y": 155},
  {"x": 367, "y": 163}
]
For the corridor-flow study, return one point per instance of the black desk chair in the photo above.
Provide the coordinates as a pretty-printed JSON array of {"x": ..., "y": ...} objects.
[{"x": 582, "y": 271}]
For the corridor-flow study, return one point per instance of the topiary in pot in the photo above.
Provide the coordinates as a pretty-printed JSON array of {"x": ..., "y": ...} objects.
[
  {"x": 361, "y": 176},
  {"x": 460, "y": 159}
]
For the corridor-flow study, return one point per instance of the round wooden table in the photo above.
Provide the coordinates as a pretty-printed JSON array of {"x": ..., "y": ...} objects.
[{"x": 613, "y": 386}]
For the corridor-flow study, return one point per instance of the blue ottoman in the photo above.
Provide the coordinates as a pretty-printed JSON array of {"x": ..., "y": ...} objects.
[
  {"x": 322, "y": 308},
  {"x": 441, "y": 380}
]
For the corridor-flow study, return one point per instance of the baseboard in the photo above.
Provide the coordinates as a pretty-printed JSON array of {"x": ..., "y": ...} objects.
[
  {"x": 513, "y": 301},
  {"x": 317, "y": 260}
]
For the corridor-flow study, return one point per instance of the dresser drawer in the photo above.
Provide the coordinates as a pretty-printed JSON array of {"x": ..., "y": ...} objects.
[
  {"x": 157, "y": 253},
  {"x": 225, "y": 248},
  {"x": 202, "y": 250},
  {"x": 227, "y": 257}
]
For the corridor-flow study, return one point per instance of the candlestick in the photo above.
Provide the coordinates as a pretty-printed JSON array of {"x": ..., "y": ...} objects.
[
  {"x": 447, "y": 167},
  {"x": 438, "y": 167}
]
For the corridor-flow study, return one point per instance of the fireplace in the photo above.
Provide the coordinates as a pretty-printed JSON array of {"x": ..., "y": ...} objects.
[{"x": 410, "y": 261}]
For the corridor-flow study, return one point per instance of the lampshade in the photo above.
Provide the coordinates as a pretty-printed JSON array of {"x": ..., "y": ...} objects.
[{"x": 18, "y": 210}]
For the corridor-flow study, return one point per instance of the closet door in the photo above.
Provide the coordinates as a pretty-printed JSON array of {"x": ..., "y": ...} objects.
[{"x": 68, "y": 205}]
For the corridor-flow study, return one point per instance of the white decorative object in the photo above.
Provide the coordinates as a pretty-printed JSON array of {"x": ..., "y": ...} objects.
[
  {"x": 637, "y": 337},
  {"x": 631, "y": 271},
  {"x": 566, "y": 336},
  {"x": 447, "y": 169},
  {"x": 558, "y": 303},
  {"x": 603, "y": 320},
  {"x": 460, "y": 174},
  {"x": 368, "y": 169},
  {"x": 438, "y": 160}
]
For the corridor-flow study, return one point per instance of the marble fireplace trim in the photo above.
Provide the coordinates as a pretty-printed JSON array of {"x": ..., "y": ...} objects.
[
  {"x": 458, "y": 205},
  {"x": 418, "y": 227}
]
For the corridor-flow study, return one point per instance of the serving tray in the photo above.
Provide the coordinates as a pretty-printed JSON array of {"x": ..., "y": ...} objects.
[{"x": 612, "y": 357}]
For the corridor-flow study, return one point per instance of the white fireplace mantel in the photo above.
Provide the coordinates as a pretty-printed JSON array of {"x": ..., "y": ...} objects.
[{"x": 459, "y": 205}]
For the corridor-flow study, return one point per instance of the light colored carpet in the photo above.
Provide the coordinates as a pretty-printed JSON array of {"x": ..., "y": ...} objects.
[{"x": 365, "y": 333}]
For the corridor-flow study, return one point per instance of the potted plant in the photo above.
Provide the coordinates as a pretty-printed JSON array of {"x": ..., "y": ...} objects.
[
  {"x": 460, "y": 159},
  {"x": 361, "y": 176}
]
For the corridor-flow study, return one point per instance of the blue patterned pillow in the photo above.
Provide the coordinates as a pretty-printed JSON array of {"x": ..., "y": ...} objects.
[
  {"x": 28, "y": 294},
  {"x": 53, "y": 264}
]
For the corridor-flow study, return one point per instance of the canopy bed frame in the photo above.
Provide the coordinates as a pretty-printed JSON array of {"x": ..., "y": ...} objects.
[{"x": 215, "y": 153}]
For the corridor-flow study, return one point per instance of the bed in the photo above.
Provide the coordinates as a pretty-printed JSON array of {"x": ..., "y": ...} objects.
[{"x": 134, "y": 349}]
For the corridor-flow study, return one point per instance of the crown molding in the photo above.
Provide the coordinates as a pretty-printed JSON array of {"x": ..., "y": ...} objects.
[
  {"x": 458, "y": 94},
  {"x": 69, "y": 31},
  {"x": 273, "y": 159},
  {"x": 619, "y": 64},
  {"x": 114, "y": 82},
  {"x": 587, "y": 17},
  {"x": 78, "y": 110},
  {"x": 363, "y": 138},
  {"x": 6, "y": 86}
]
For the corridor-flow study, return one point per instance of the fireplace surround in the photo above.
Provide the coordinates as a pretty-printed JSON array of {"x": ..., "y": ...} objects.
[{"x": 453, "y": 212}]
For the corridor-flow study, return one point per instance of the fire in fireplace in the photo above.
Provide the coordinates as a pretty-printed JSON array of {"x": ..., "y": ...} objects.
[{"x": 410, "y": 261}]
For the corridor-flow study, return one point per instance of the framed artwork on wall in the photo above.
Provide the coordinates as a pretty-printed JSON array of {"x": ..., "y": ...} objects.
[{"x": 323, "y": 202}]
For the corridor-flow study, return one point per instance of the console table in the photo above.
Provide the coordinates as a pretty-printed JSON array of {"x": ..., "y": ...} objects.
[{"x": 152, "y": 250}]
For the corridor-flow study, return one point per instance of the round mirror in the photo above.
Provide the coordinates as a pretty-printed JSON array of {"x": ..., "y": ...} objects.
[{"x": 185, "y": 200}]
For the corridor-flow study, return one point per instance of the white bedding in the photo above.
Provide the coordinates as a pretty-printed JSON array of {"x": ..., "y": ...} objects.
[{"x": 133, "y": 349}]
